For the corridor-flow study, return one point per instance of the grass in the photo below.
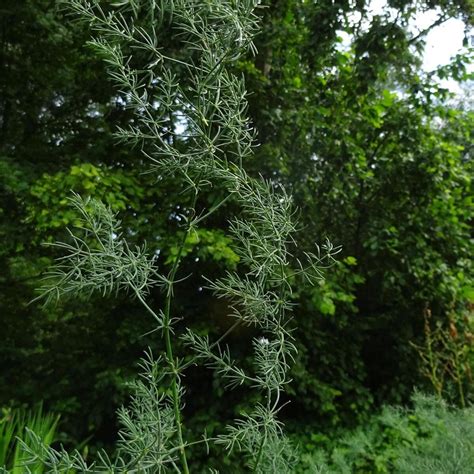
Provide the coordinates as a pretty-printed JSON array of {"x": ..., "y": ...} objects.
[{"x": 13, "y": 426}]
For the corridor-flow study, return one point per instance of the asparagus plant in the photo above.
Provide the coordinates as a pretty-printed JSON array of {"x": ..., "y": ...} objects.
[{"x": 193, "y": 85}]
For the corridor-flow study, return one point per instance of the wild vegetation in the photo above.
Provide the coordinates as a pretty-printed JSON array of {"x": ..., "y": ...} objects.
[{"x": 192, "y": 237}]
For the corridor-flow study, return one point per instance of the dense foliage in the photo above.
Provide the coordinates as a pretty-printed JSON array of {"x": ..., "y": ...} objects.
[
  {"x": 430, "y": 437},
  {"x": 375, "y": 151}
]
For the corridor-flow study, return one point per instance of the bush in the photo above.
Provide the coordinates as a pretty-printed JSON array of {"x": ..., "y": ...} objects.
[{"x": 429, "y": 437}]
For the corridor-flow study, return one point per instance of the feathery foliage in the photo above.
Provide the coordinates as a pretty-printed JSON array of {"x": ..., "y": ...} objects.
[
  {"x": 98, "y": 259},
  {"x": 210, "y": 104}
]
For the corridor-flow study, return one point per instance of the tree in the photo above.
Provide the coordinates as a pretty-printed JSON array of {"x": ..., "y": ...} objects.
[{"x": 375, "y": 154}]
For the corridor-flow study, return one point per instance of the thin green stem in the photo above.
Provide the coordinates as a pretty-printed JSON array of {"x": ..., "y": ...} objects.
[
  {"x": 432, "y": 366},
  {"x": 458, "y": 377},
  {"x": 212, "y": 210},
  {"x": 214, "y": 344},
  {"x": 193, "y": 443},
  {"x": 169, "y": 346},
  {"x": 260, "y": 453},
  {"x": 145, "y": 304}
]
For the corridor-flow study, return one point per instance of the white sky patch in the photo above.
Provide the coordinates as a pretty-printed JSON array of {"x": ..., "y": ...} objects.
[{"x": 442, "y": 42}]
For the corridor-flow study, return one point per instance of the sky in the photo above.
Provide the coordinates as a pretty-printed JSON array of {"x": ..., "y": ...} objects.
[{"x": 442, "y": 42}]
